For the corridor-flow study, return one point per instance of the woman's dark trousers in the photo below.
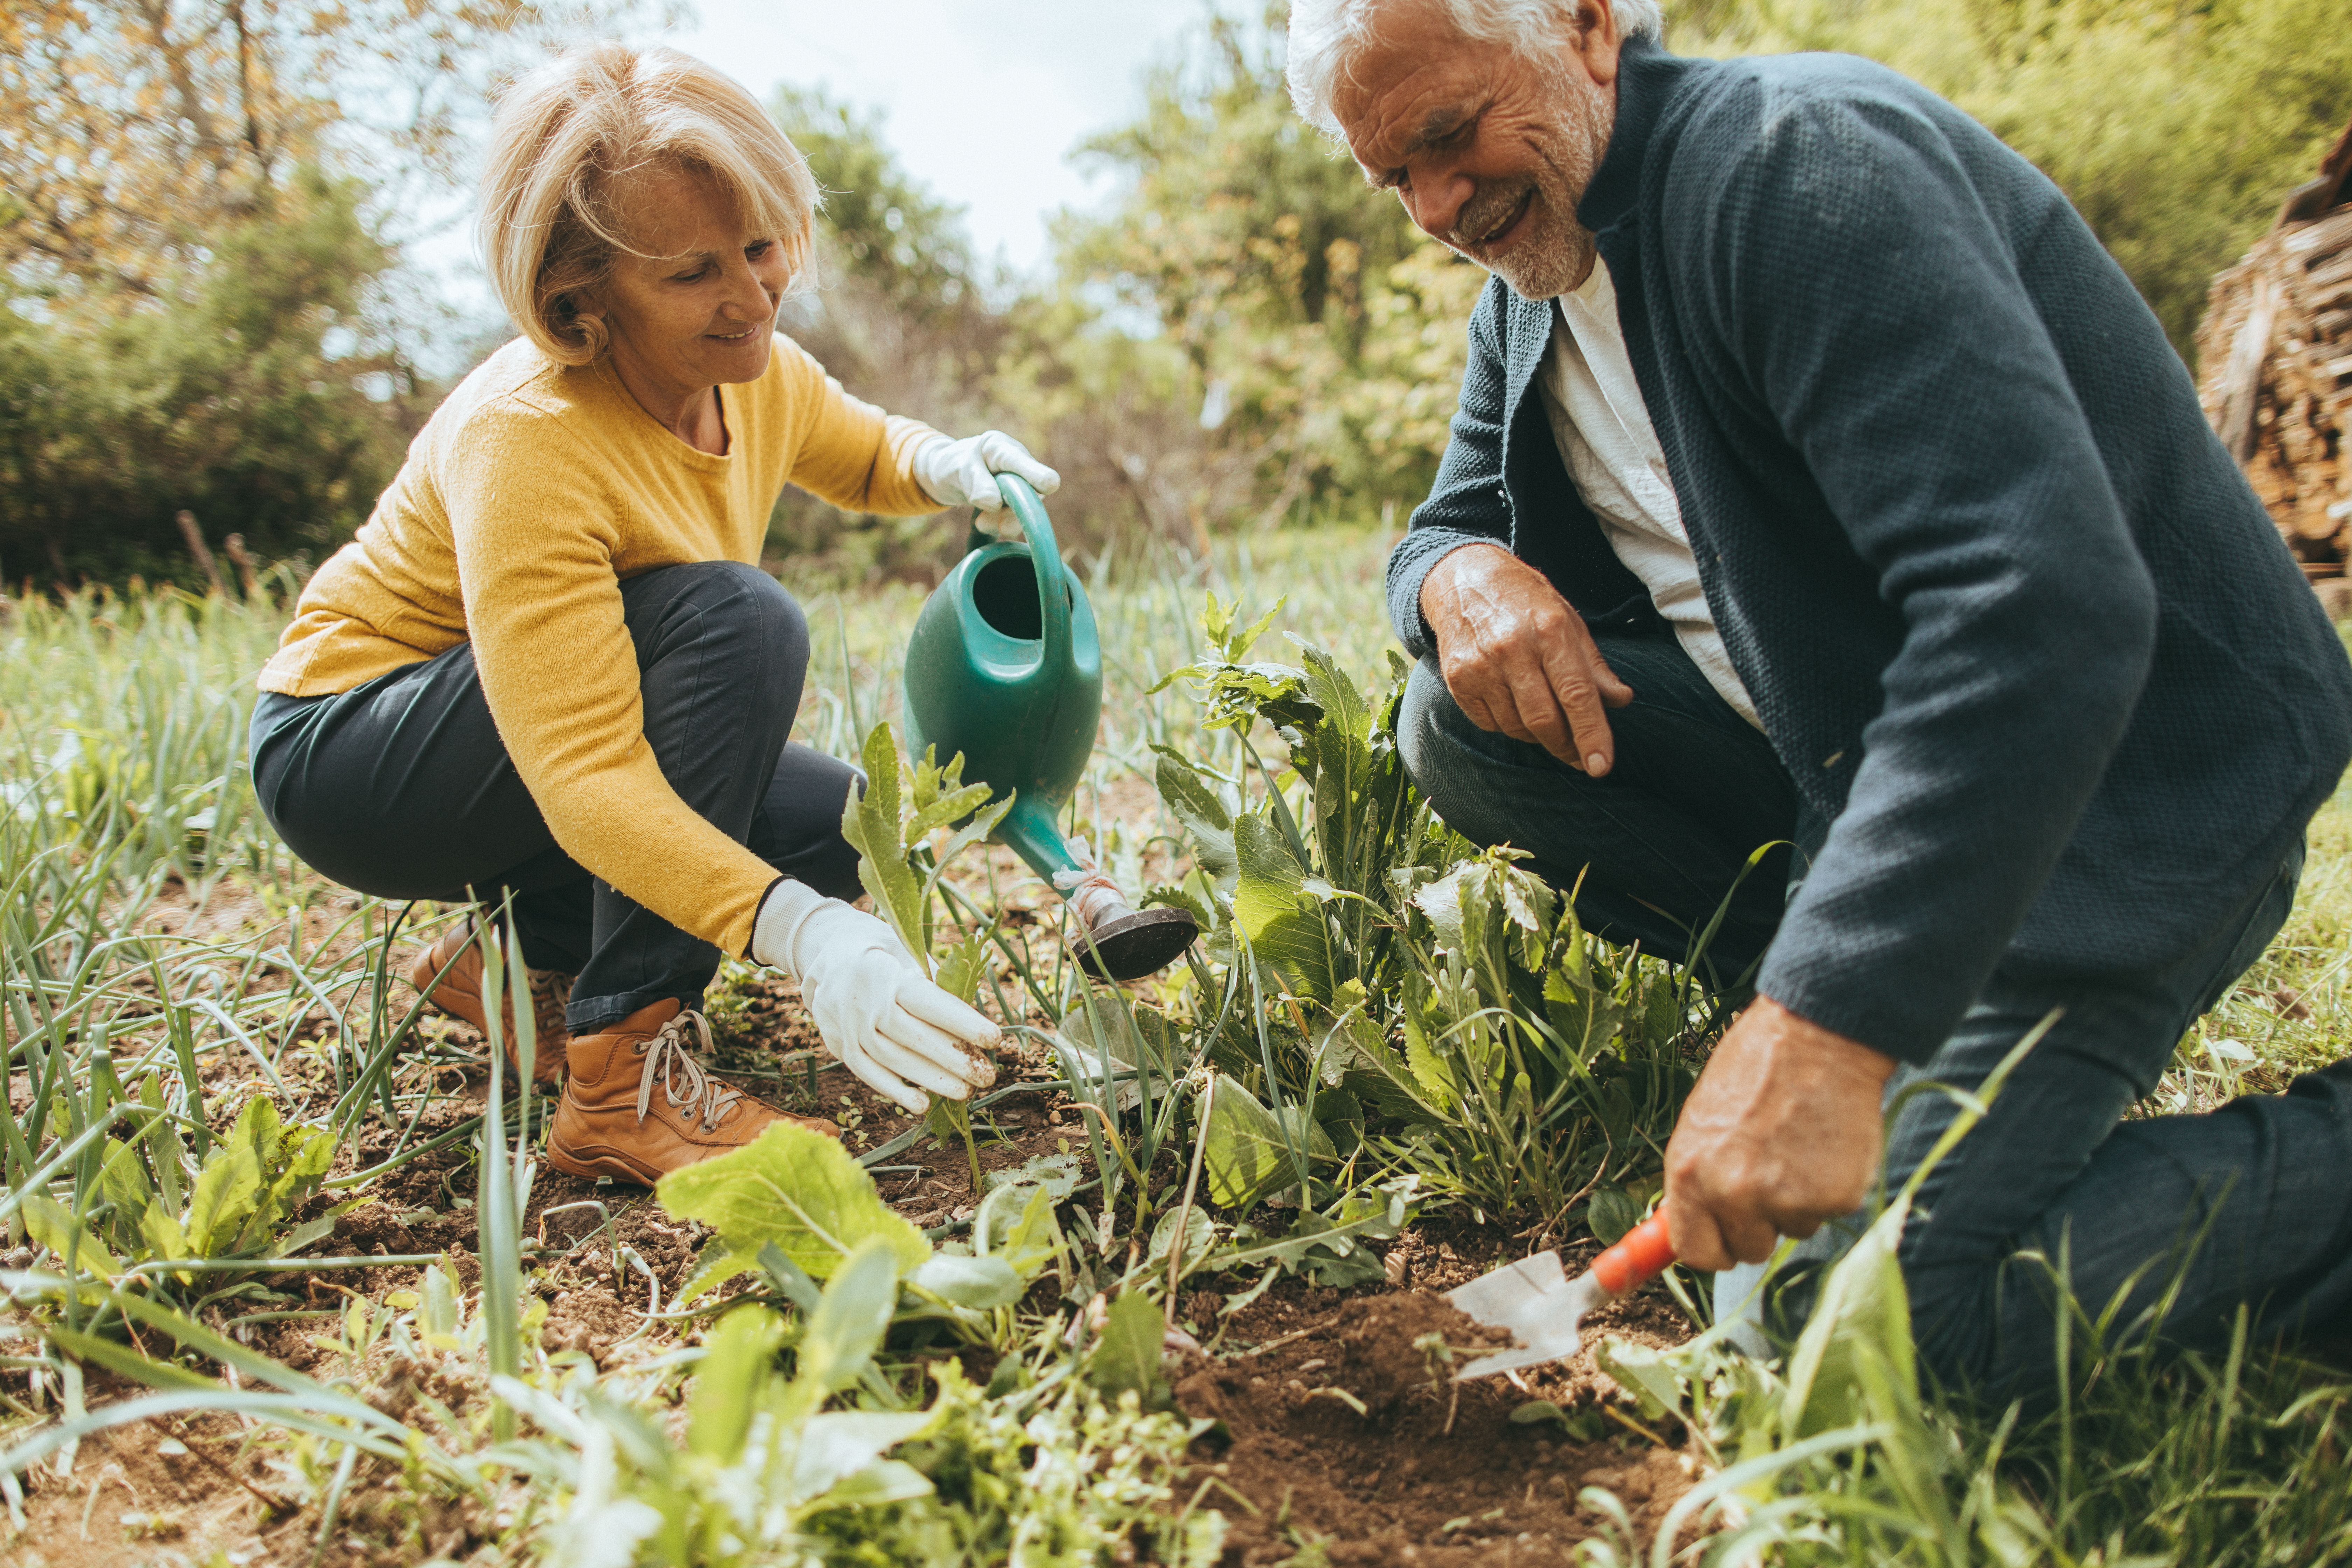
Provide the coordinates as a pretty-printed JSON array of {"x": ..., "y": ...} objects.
[{"x": 400, "y": 787}]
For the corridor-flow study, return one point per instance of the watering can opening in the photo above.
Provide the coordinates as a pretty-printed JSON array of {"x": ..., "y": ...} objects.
[{"x": 1004, "y": 592}]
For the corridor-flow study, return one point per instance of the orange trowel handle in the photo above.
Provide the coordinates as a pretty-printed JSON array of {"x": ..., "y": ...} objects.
[{"x": 1643, "y": 1254}]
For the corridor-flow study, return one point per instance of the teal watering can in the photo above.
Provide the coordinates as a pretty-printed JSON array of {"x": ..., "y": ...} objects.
[{"x": 1009, "y": 672}]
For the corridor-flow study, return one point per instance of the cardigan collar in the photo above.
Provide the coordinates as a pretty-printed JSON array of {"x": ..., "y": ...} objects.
[{"x": 1647, "y": 77}]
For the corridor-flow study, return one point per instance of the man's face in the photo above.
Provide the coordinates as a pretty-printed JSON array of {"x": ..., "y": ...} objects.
[{"x": 1488, "y": 149}]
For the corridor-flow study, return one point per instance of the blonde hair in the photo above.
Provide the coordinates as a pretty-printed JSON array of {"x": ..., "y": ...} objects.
[{"x": 570, "y": 133}]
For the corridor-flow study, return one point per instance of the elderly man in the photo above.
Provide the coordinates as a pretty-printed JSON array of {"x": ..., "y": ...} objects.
[{"x": 1818, "y": 480}]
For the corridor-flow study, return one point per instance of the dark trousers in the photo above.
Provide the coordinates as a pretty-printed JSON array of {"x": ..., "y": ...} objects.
[
  {"x": 402, "y": 788},
  {"x": 2251, "y": 1204}
]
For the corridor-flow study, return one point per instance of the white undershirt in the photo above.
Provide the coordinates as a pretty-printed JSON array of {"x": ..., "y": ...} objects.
[{"x": 1612, "y": 452}]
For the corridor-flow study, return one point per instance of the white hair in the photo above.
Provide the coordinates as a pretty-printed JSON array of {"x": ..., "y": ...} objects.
[{"x": 1325, "y": 34}]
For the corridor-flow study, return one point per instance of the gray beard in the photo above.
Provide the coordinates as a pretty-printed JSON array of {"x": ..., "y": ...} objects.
[{"x": 1556, "y": 253}]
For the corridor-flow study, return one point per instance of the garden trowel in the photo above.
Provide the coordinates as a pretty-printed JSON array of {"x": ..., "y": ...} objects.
[{"x": 1541, "y": 1307}]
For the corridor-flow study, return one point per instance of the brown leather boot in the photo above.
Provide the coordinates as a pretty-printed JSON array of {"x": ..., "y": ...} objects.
[
  {"x": 610, "y": 1123},
  {"x": 459, "y": 995}
]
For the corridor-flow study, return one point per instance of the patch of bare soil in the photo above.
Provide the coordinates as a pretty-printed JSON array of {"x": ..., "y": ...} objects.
[{"x": 1349, "y": 1434}]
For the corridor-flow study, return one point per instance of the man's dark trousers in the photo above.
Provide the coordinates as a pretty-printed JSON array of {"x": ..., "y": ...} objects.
[{"x": 2250, "y": 1203}]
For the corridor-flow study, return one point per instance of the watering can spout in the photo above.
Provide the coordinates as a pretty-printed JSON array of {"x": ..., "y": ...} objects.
[{"x": 1004, "y": 666}]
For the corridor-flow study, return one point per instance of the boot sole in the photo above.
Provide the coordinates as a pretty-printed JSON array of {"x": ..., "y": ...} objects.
[{"x": 593, "y": 1165}]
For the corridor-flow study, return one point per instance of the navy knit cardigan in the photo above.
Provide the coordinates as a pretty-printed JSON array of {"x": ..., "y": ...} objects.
[{"x": 2011, "y": 616}]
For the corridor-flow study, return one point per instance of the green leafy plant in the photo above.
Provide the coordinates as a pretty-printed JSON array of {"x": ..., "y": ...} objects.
[
  {"x": 902, "y": 868},
  {"x": 1388, "y": 987}
]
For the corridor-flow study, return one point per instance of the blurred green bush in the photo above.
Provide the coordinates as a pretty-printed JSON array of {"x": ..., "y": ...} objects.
[{"x": 247, "y": 387}]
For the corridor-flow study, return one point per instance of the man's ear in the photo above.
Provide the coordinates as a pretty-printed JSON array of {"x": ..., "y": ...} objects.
[{"x": 1597, "y": 39}]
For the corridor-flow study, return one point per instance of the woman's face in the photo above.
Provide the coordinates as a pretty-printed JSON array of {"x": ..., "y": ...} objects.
[{"x": 700, "y": 316}]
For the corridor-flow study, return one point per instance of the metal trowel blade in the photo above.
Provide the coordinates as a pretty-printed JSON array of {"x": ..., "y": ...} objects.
[{"x": 1536, "y": 1302}]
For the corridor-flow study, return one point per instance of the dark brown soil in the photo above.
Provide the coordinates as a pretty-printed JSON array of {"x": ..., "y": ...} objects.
[{"x": 1428, "y": 1470}]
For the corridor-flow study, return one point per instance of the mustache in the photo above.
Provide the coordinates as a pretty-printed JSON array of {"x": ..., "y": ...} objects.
[{"x": 1483, "y": 213}]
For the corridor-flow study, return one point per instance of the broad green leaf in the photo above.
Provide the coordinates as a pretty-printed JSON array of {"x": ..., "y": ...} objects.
[
  {"x": 1612, "y": 1212},
  {"x": 124, "y": 1182},
  {"x": 1368, "y": 1214},
  {"x": 1200, "y": 1236},
  {"x": 1034, "y": 1239},
  {"x": 1246, "y": 1154},
  {"x": 846, "y": 1328},
  {"x": 791, "y": 1278},
  {"x": 738, "y": 1364},
  {"x": 883, "y": 1482},
  {"x": 161, "y": 1229},
  {"x": 1133, "y": 1032},
  {"x": 52, "y": 1225},
  {"x": 306, "y": 1152},
  {"x": 798, "y": 1189},
  {"x": 837, "y": 1452},
  {"x": 870, "y": 823},
  {"x": 941, "y": 812},
  {"x": 964, "y": 963},
  {"x": 1204, "y": 816},
  {"x": 225, "y": 1193},
  {"x": 1442, "y": 902},
  {"x": 1343, "y": 705},
  {"x": 1429, "y": 1071},
  {"x": 1648, "y": 1373},
  {"x": 1859, "y": 1333},
  {"x": 1126, "y": 1355},
  {"x": 1272, "y": 909},
  {"x": 258, "y": 1129},
  {"x": 978, "y": 1282},
  {"x": 1059, "y": 1175}
]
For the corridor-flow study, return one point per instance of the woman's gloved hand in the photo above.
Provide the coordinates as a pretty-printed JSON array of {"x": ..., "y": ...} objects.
[
  {"x": 873, "y": 1006},
  {"x": 962, "y": 473}
]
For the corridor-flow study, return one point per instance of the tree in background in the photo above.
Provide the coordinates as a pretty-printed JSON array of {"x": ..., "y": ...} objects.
[
  {"x": 198, "y": 308},
  {"x": 242, "y": 394},
  {"x": 893, "y": 304},
  {"x": 1325, "y": 333},
  {"x": 136, "y": 129},
  {"x": 2175, "y": 127}
]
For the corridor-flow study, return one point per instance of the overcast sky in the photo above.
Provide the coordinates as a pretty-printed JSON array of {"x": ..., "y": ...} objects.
[
  {"x": 983, "y": 101},
  {"x": 982, "y": 98}
]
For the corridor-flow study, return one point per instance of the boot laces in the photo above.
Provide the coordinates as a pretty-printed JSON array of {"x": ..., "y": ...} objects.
[
  {"x": 551, "y": 990},
  {"x": 668, "y": 1058}
]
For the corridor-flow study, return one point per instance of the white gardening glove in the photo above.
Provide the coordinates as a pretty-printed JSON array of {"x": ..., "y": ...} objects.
[
  {"x": 961, "y": 473},
  {"x": 873, "y": 1006}
]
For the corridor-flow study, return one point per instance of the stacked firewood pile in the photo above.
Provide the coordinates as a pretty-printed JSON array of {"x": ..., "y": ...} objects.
[{"x": 2277, "y": 355}]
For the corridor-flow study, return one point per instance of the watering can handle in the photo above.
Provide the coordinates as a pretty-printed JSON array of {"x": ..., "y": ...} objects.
[{"x": 1045, "y": 562}]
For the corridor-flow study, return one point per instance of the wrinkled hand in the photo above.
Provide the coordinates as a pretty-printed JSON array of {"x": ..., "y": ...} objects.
[
  {"x": 962, "y": 473},
  {"x": 874, "y": 1008},
  {"x": 1519, "y": 659},
  {"x": 1781, "y": 1133}
]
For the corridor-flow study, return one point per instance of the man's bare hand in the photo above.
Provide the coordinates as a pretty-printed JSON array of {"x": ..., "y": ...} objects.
[
  {"x": 1781, "y": 1133},
  {"x": 1517, "y": 658}
]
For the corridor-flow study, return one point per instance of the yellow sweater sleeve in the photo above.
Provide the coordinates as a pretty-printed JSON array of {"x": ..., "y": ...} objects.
[{"x": 849, "y": 452}]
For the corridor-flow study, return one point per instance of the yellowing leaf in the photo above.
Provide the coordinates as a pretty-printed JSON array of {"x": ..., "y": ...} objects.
[
  {"x": 797, "y": 1189},
  {"x": 52, "y": 1225}
]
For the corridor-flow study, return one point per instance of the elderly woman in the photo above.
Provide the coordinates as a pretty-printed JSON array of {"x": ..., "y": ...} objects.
[{"x": 548, "y": 667}]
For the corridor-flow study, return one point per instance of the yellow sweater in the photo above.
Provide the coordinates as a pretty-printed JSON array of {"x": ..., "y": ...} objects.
[{"x": 527, "y": 499}]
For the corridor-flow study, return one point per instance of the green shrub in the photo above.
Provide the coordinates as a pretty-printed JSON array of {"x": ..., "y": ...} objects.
[{"x": 242, "y": 389}]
